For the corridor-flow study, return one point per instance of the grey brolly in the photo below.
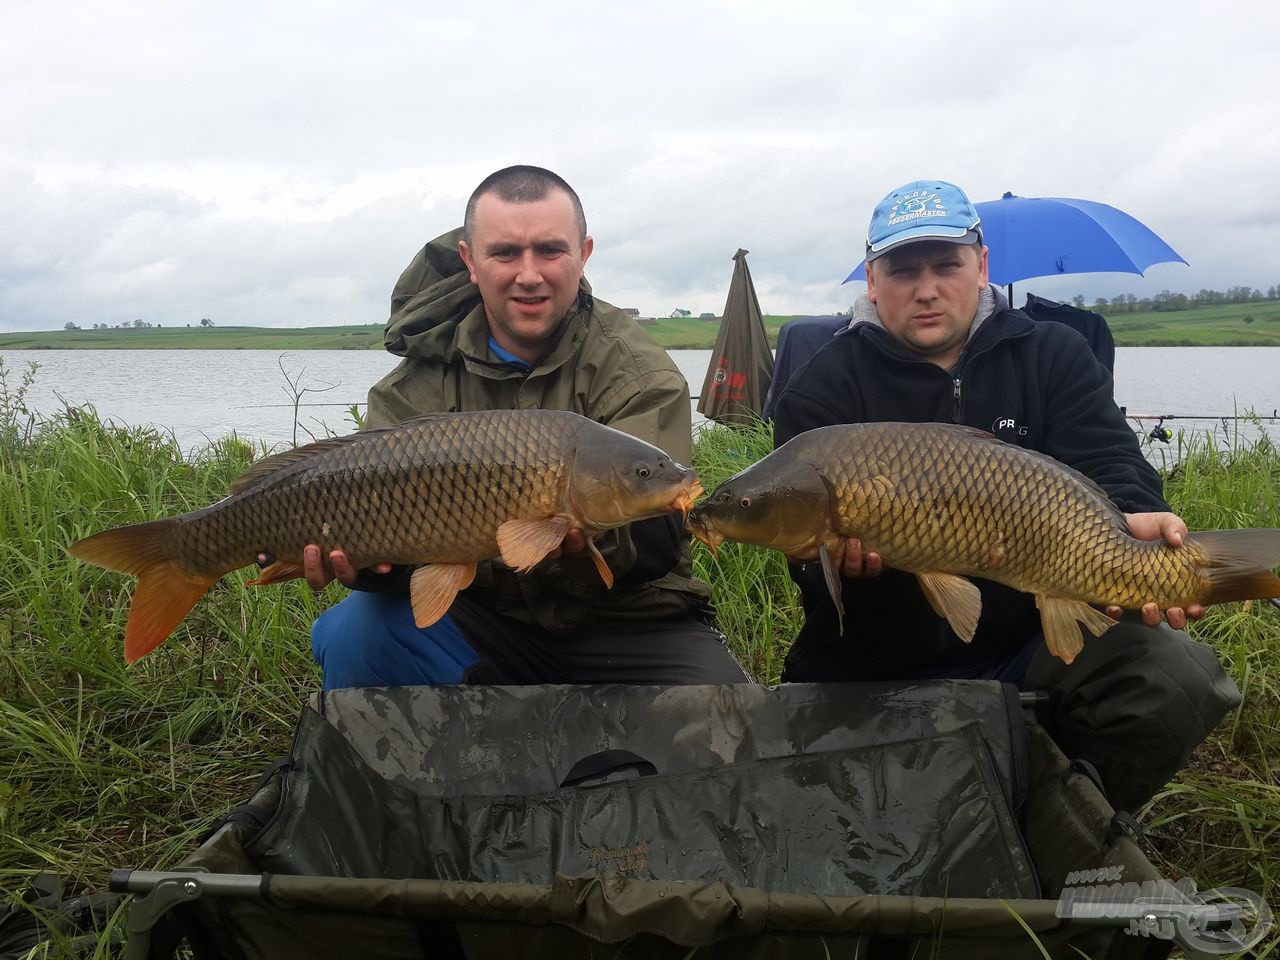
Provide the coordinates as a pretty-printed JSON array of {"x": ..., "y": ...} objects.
[{"x": 742, "y": 363}]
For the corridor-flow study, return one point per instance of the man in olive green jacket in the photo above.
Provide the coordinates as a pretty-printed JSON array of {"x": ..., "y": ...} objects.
[{"x": 497, "y": 315}]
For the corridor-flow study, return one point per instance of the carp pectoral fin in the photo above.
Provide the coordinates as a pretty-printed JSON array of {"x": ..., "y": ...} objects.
[
  {"x": 432, "y": 589},
  {"x": 832, "y": 576},
  {"x": 524, "y": 543},
  {"x": 598, "y": 558},
  {"x": 955, "y": 600},
  {"x": 1060, "y": 616},
  {"x": 278, "y": 572}
]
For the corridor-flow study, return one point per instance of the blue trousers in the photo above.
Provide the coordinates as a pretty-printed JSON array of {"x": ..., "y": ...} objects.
[{"x": 399, "y": 651}]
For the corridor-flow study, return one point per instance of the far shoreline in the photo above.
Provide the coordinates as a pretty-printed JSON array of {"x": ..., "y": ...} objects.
[{"x": 1254, "y": 324}]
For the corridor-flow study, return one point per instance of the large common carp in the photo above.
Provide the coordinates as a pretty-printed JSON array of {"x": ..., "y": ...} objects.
[
  {"x": 443, "y": 490},
  {"x": 945, "y": 502}
]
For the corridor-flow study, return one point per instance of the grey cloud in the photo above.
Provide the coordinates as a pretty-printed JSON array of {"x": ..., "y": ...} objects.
[{"x": 246, "y": 162}]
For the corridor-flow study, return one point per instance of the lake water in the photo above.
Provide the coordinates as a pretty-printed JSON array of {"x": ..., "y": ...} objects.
[{"x": 204, "y": 394}]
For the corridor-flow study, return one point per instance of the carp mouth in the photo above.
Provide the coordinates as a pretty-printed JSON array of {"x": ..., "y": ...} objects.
[
  {"x": 684, "y": 499},
  {"x": 698, "y": 527}
]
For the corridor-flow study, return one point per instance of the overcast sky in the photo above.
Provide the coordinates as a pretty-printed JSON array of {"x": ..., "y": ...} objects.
[{"x": 279, "y": 164}]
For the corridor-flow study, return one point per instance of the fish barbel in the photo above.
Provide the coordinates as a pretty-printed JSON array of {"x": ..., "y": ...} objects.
[
  {"x": 443, "y": 490},
  {"x": 945, "y": 502}
]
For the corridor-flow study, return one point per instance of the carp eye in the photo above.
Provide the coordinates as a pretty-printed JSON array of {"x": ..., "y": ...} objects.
[
  {"x": 642, "y": 472},
  {"x": 745, "y": 501}
]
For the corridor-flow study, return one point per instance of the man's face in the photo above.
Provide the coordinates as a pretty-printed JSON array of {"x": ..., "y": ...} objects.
[
  {"x": 527, "y": 260},
  {"x": 927, "y": 294}
]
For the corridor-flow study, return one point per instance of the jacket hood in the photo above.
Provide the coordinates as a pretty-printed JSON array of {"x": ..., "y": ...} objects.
[
  {"x": 433, "y": 296},
  {"x": 990, "y": 302}
]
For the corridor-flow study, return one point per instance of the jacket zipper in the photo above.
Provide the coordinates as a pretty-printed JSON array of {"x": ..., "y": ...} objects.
[{"x": 955, "y": 397}]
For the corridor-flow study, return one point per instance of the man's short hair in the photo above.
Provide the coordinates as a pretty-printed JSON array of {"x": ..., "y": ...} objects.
[{"x": 523, "y": 184}]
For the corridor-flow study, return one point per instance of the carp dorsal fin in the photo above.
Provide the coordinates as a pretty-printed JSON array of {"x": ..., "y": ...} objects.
[
  {"x": 432, "y": 589},
  {"x": 955, "y": 599},
  {"x": 267, "y": 466},
  {"x": 1059, "y": 617},
  {"x": 977, "y": 433},
  {"x": 524, "y": 543}
]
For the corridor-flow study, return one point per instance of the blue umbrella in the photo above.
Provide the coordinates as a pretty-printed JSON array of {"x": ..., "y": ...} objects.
[{"x": 1046, "y": 236}]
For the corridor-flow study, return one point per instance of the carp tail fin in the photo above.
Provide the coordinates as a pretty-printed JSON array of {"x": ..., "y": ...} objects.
[
  {"x": 165, "y": 592},
  {"x": 1240, "y": 563}
]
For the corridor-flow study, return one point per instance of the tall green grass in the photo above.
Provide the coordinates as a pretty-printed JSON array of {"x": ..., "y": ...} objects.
[{"x": 103, "y": 766}]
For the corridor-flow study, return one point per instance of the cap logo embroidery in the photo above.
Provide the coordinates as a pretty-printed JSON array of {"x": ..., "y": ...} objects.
[{"x": 915, "y": 206}]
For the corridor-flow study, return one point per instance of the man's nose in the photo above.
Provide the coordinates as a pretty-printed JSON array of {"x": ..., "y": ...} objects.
[
  {"x": 529, "y": 274},
  {"x": 926, "y": 285}
]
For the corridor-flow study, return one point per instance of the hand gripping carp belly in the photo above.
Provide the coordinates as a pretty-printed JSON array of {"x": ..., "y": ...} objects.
[
  {"x": 946, "y": 502},
  {"x": 443, "y": 491}
]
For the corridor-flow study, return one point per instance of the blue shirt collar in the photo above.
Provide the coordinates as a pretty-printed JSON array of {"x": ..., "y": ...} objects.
[{"x": 507, "y": 357}]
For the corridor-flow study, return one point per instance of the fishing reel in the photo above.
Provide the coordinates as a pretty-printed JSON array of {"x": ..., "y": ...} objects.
[{"x": 1161, "y": 432}]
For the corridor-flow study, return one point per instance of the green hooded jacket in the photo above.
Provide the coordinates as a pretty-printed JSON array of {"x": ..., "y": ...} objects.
[{"x": 603, "y": 366}]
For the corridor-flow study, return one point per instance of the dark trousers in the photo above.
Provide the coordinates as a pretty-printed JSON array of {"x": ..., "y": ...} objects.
[{"x": 1135, "y": 703}]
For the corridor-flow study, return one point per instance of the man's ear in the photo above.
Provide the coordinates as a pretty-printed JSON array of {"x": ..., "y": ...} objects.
[
  {"x": 465, "y": 253},
  {"x": 871, "y": 283},
  {"x": 982, "y": 266},
  {"x": 587, "y": 246}
]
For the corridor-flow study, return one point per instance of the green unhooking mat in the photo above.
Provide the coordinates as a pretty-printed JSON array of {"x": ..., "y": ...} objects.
[
  {"x": 742, "y": 821},
  {"x": 797, "y": 789}
]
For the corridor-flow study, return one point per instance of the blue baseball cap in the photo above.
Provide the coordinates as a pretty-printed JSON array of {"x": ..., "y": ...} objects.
[{"x": 922, "y": 210}]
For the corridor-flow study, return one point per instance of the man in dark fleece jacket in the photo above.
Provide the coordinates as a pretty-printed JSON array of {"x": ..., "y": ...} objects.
[{"x": 932, "y": 341}]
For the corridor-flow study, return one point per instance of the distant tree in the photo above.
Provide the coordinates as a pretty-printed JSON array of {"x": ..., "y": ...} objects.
[
  {"x": 70, "y": 326},
  {"x": 1100, "y": 305},
  {"x": 206, "y": 322},
  {"x": 1078, "y": 301},
  {"x": 139, "y": 324}
]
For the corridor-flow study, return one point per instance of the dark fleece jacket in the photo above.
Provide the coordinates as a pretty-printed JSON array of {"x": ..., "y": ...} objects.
[{"x": 1033, "y": 384}]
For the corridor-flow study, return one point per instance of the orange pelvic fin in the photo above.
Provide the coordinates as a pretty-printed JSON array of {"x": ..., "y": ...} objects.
[
  {"x": 601, "y": 566},
  {"x": 278, "y": 572},
  {"x": 834, "y": 587},
  {"x": 165, "y": 592},
  {"x": 955, "y": 599},
  {"x": 1059, "y": 617},
  {"x": 1240, "y": 563},
  {"x": 433, "y": 588},
  {"x": 524, "y": 543}
]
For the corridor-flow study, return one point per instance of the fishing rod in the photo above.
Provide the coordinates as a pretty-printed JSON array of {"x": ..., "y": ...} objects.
[{"x": 1163, "y": 434}]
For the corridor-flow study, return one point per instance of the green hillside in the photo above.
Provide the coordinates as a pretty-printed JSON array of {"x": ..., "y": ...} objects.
[{"x": 1241, "y": 324}]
